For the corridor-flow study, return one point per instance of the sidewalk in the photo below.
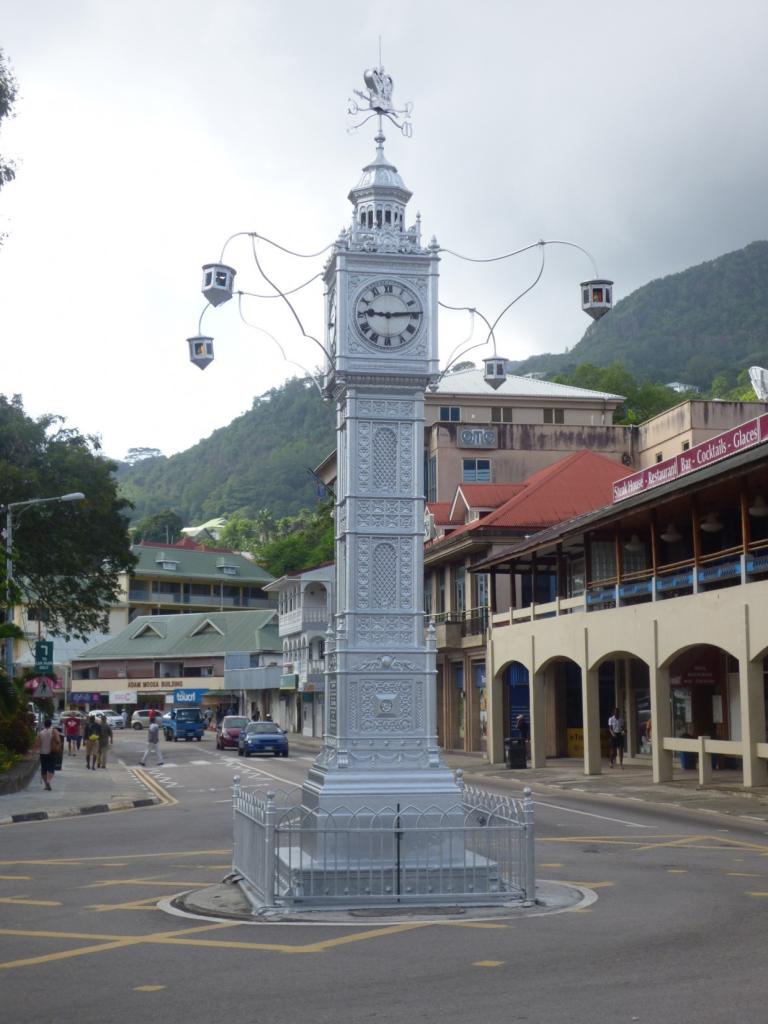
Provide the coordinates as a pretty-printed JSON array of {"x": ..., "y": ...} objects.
[
  {"x": 634, "y": 782},
  {"x": 77, "y": 790}
]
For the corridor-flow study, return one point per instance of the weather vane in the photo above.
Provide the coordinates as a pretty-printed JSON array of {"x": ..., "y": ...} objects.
[{"x": 378, "y": 100}]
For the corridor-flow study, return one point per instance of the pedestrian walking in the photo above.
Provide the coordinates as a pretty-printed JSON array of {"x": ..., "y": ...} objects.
[
  {"x": 105, "y": 738},
  {"x": 72, "y": 735},
  {"x": 92, "y": 735},
  {"x": 524, "y": 731},
  {"x": 616, "y": 729},
  {"x": 153, "y": 744},
  {"x": 256, "y": 716},
  {"x": 49, "y": 744},
  {"x": 126, "y": 718}
]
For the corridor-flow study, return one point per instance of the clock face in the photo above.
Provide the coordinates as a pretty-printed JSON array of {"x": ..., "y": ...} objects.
[
  {"x": 332, "y": 321},
  {"x": 388, "y": 314}
]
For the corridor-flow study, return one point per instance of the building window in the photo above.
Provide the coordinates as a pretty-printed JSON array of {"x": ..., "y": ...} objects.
[
  {"x": 659, "y": 456},
  {"x": 428, "y": 598},
  {"x": 449, "y": 413},
  {"x": 432, "y": 478},
  {"x": 501, "y": 414},
  {"x": 460, "y": 590},
  {"x": 554, "y": 415},
  {"x": 441, "y": 591},
  {"x": 481, "y": 580},
  {"x": 476, "y": 471},
  {"x": 686, "y": 445}
]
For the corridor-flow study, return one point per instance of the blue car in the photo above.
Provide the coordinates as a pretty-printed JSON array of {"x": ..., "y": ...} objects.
[{"x": 262, "y": 738}]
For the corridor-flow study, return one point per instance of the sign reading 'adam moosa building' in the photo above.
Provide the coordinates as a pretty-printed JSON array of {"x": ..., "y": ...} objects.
[
  {"x": 211, "y": 683},
  {"x": 721, "y": 446}
]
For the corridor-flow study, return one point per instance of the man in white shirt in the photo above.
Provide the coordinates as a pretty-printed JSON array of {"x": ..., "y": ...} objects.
[
  {"x": 153, "y": 743},
  {"x": 616, "y": 729}
]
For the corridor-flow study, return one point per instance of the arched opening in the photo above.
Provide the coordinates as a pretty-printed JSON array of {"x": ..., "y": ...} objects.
[{"x": 705, "y": 698}]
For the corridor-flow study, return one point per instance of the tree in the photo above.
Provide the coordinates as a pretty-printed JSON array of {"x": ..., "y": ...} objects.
[
  {"x": 134, "y": 455},
  {"x": 8, "y": 92},
  {"x": 164, "y": 527},
  {"x": 641, "y": 400},
  {"x": 307, "y": 542},
  {"x": 66, "y": 557}
]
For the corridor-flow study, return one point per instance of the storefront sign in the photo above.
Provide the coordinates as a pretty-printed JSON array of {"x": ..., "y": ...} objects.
[
  {"x": 188, "y": 696},
  {"x": 123, "y": 697},
  {"x": 85, "y": 698},
  {"x": 722, "y": 446},
  {"x": 477, "y": 437},
  {"x": 289, "y": 682}
]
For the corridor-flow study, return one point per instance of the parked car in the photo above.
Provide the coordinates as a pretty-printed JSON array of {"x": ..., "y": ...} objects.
[
  {"x": 114, "y": 721},
  {"x": 141, "y": 719},
  {"x": 228, "y": 731},
  {"x": 262, "y": 738}
]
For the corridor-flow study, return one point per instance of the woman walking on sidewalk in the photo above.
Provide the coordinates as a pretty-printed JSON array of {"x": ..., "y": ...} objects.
[{"x": 92, "y": 734}]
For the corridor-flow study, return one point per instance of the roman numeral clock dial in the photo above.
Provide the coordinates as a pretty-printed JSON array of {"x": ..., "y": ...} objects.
[{"x": 388, "y": 314}]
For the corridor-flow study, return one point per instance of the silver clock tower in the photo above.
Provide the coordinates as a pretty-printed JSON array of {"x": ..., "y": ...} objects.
[{"x": 380, "y": 745}]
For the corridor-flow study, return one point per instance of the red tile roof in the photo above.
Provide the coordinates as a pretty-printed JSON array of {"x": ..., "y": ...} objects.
[
  {"x": 576, "y": 484},
  {"x": 441, "y": 510}
]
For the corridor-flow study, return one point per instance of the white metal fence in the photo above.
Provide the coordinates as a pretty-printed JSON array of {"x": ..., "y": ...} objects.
[{"x": 480, "y": 850}]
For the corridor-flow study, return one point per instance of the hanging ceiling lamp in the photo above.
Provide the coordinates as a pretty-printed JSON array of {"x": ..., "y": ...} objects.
[
  {"x": 759, "y": 507},
  {"x": 634, "y": 545},
  {"x": 671, "y": 535},
  {"x": 711, "y": 523}
]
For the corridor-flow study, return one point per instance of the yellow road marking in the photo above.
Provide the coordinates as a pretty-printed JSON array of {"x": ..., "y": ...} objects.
[
  {"x": 67, "y": 861},
  {"x": 579, "y": 910},
  {"x": 151, "y": 783},
  {"x": 757, "y": 894},
  {"x": 188, "y": 884},
  {"x": 470, "y": 924},
  {"x": 374, "y": 933},
  {"x": 149, "y": 988},
  {"x": 30, "y": 903},
  {"x": 550, "y": 865},
  {"x": 16, "y": 878},
  {"x": 105, "y": 943},
  {"x": 488, "y": 963},
  {"x": 743, "y": 874},
  {"x": 118, "y": 943},
  {"x": 150, "y": 903},
  {"x": 123, "y": 865},
  {"x": 677, "y": 871}
]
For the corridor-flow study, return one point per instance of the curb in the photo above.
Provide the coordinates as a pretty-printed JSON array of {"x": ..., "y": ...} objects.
[{"x": 73, "y": 812}]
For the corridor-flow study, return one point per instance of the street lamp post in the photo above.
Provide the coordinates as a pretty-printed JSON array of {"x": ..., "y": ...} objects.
[{"x": 10, "y": 508}]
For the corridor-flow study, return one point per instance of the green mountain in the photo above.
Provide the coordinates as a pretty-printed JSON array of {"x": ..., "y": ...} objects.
[
  {"x": 259, "y": 461},
  {"x": 707, "y": 321}
]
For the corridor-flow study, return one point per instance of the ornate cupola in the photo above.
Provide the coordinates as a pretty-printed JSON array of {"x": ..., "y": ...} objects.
[{"x": 379, "y": 200}]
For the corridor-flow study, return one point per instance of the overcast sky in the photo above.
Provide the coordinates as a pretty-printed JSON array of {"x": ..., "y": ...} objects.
[{"x": 149, "y": 131}]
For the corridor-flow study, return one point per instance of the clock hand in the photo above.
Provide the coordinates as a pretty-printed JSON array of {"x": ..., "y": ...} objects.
[{"x": 376, "y": 312}]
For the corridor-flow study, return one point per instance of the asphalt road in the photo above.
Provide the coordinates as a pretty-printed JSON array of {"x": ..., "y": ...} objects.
[{"x": 677, "y": 932}]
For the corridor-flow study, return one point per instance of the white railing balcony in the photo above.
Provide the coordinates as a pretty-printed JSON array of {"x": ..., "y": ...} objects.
[{"x": 299, "y": 619}]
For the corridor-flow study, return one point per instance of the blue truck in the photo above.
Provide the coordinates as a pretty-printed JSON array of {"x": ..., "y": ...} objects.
[{"x": 184, "y": 724}]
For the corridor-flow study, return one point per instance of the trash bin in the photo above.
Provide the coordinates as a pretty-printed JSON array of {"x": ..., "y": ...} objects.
[{"x": 514, "y": 752}]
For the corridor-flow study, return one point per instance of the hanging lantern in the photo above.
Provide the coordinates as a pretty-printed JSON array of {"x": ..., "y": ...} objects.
[
  {"x": 597, "y": 297},
  {"x": 200, "y": 350},
  {"x": 218, "y": 281},
  {"x": 495, "y": 371}
]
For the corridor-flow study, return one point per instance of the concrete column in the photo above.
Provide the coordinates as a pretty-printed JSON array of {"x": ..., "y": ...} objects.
[
  {"x": 661, "y": 720},
  {"x": 495, "y": 694},
  {"x": 590, "y": 704},
  {"x": 628, "y": 708},
  {"x": 752, "y": 711},
  {"x": 538, "y": 719}
]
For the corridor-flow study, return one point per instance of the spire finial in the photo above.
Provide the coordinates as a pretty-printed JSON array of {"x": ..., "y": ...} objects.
[{"x": 378, "y": 100}]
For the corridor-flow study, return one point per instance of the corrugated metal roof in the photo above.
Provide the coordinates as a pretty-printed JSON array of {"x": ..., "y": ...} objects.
[
  {"x": 187, "y": 636},
  {"x": 195, "y": 564},
  {"x": 472, "y": 382},
  {"x": 569, "y": 487}
]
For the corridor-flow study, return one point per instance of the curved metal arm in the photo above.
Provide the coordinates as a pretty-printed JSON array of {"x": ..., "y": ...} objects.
[
  {"x": 526, "y": 248},
  {"x": 263, "y": 330},
  {"x": 288, "y": 303},
  {"x": 255, "y": 234},
  {"x": 516, "y": 299}
]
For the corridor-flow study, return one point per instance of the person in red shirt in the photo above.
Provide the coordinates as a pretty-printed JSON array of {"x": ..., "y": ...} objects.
[{"x": 72, "y": 735}]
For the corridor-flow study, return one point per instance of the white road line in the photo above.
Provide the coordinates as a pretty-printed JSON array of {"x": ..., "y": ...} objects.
[{"x": 588, "y": 814}]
